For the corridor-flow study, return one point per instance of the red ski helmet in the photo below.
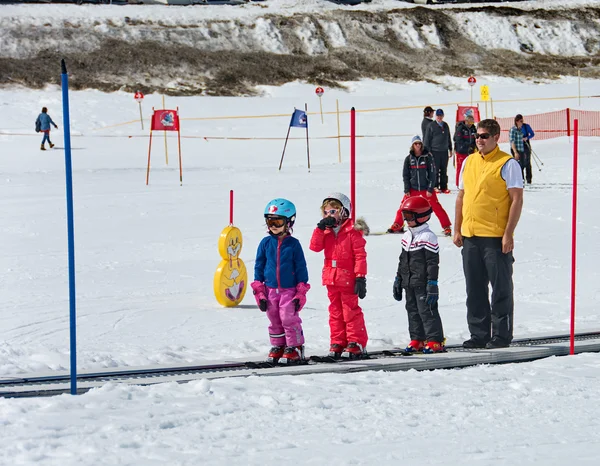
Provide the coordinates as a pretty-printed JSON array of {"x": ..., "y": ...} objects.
[{"x": 417, "y": 209}]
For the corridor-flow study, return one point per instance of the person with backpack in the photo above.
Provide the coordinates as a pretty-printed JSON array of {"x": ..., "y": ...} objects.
[{"x": 42, "y": 124}]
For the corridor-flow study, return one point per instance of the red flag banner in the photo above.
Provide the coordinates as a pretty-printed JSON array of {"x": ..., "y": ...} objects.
[
  {"x": 165, "y": 120},
  {"x": 463, "y": 110}
]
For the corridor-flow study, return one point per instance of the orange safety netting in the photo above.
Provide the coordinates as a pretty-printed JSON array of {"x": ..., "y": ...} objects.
[{"x": 555, "y": 124}]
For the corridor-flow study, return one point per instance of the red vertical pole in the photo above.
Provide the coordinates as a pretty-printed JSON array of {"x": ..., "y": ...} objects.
[
  {"x": 574, "y": 233},
  {"x": 179, "y": 148},
  {"x": 568, "y": 122},
  {"x": 353, "y": 162},
  {"x": 231, "y": 206}
]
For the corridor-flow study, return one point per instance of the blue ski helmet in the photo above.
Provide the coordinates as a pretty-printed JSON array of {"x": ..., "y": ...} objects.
[{"x": 282, "y": 208}]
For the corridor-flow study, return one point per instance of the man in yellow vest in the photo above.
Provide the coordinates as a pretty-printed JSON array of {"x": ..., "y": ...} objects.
[{"x": 488, "y": 207}]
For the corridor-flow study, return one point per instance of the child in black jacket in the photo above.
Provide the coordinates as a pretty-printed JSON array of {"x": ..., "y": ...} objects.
[{"x": 417, "y": 275}]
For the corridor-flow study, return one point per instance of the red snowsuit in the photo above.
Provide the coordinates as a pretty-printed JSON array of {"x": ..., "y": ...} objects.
[{"x": 345, "y": 259}]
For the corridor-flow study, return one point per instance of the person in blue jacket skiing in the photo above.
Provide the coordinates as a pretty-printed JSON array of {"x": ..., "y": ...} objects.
[
  {"x": 42, "y": 124},
  {"x": 281, "y": 283}
]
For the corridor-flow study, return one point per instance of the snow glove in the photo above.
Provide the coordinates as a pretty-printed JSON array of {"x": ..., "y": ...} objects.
[
  {"x": 432, "y": 292},
  {"x": 260, "y": 294},
  {"x": 327, "y": 222},
  {"x": 299, "y": 299},
  {"x": 398, "y": 289},
  {"x": 360, "y": 287}
]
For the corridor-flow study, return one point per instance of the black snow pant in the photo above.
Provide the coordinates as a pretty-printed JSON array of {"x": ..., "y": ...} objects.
[
  {"x": 484, "y": 263},
  {"x": 441, "y": 167},
  {"x": 526, "y": 165},
  {"x": 424, "y": 321}
]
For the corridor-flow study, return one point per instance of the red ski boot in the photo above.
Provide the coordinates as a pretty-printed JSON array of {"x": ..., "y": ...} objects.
[
  {"x": 415, "y": 346},
  {"x": 354, "y": 351},
  {"x": 275, "y": 353},
  {"x": 292, "y": 355},
  {"x": 434, "y": 347},
  {"x": 335, "y": 351}
]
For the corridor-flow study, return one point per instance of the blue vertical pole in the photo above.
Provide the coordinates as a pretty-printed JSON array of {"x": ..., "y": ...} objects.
[{"x": 70, "y": 225}]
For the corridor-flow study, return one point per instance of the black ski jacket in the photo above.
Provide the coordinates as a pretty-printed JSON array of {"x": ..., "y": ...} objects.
[
  {"x": 419, "y": 260},
  {"x": 438, "y": 138},
  {"x": 419, "y": 172},
  {"x": 464, "y": 139},
  {"x": 424, "y": 124}
]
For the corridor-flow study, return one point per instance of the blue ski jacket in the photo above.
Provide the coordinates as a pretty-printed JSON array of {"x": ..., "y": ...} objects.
[
  {"x": 280, "y": 262},
  {"x": 45, "y": 121}
]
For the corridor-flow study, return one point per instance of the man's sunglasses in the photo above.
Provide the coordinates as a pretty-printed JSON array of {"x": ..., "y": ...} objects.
[
  {"x": 275, "y": 222},
  {"x": 331, "y": 211},
  {"x": 483, "y": 136}
]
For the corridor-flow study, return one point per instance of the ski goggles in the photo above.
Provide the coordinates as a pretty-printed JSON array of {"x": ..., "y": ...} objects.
[
  {"x": 275, "y": 222},
  {"x": 410, "y": 216},
  {"x": 331, "y": 211},
  {"x": 483, "y": 135}
]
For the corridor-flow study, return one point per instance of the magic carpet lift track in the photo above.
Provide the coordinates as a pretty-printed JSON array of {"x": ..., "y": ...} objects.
[{"x": 521, "y": 350}]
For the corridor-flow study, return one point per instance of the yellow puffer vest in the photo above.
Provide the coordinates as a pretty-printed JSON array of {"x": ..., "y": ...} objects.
[{"x": 486, "y": 203}]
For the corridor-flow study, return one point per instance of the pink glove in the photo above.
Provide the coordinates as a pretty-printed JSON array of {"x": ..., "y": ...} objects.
[
  {"x": 260, "y": 294},
  {"x": 299, "y": 299}
]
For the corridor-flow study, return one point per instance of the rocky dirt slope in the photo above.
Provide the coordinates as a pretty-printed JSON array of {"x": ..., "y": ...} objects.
[{"x": 230, "y": 56}]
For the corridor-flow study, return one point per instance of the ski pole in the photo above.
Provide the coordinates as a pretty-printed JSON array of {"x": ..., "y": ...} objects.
[
  {"x": 536, "y": 163},
  {"x": 537, "y": 157}
]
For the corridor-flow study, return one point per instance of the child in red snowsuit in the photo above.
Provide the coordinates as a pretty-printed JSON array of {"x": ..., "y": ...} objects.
[{"x": 344, "y": 275}]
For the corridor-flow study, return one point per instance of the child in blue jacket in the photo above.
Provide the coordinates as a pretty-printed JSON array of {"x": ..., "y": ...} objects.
[{"x": 281, "y": 283}]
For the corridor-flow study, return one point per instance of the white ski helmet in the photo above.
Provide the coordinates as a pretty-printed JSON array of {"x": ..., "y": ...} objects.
[{"x": 342, "y": 199}]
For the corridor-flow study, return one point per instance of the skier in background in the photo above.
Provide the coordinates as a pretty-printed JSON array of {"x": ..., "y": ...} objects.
[
  {"x": 419, "y": 180},
  {"x": 417, "y": 275},
  {"x": 528, "y": 134},
  {"x": 439, "y": 141},
  {"x": 427, "y": 120},
  {"x": 281, "y": 283},
  {"x": 464, "y": 141},
  {"x": 42, "y": 124},
  {"x": 344, "y": 275}
]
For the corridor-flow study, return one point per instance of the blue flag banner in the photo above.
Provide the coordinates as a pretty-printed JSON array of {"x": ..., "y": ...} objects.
[{"x": 299, "y": 119}]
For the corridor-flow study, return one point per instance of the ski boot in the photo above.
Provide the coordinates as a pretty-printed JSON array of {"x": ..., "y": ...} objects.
[
  {"x": 292, "y": 355},
  {"x": 335, "y": 351},
  {"x": 434, "y": 347},
  {"x": 354, "y": 351},
  {"x": 415, "y": 346},
  {"x": 396, "y": 228},
  {"x": 275, "y": 354}
]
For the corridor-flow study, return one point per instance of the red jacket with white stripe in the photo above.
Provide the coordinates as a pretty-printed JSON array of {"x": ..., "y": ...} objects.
[
  {"x": 420, "y": 258},
  {"x": 345, "y": 254}
]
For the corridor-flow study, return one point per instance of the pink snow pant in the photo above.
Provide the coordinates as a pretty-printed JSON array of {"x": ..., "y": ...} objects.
[
  {"x": 286, "y": 325},
  {"x": 346, "y": 318}
]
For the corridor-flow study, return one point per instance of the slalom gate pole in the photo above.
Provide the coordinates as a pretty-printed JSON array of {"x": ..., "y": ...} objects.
[
  {"x": 353, "y": 162},
  {"x": 337, "y": 110},
  {"x": 574, "y": 233},
  {"x": 231, "y": 207},
  {"x": 70, "y": 226},
  {"x": 179, "y": 149},
  {"x": 284, "y": 146},
  {"x": 307, "y": 149}
]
